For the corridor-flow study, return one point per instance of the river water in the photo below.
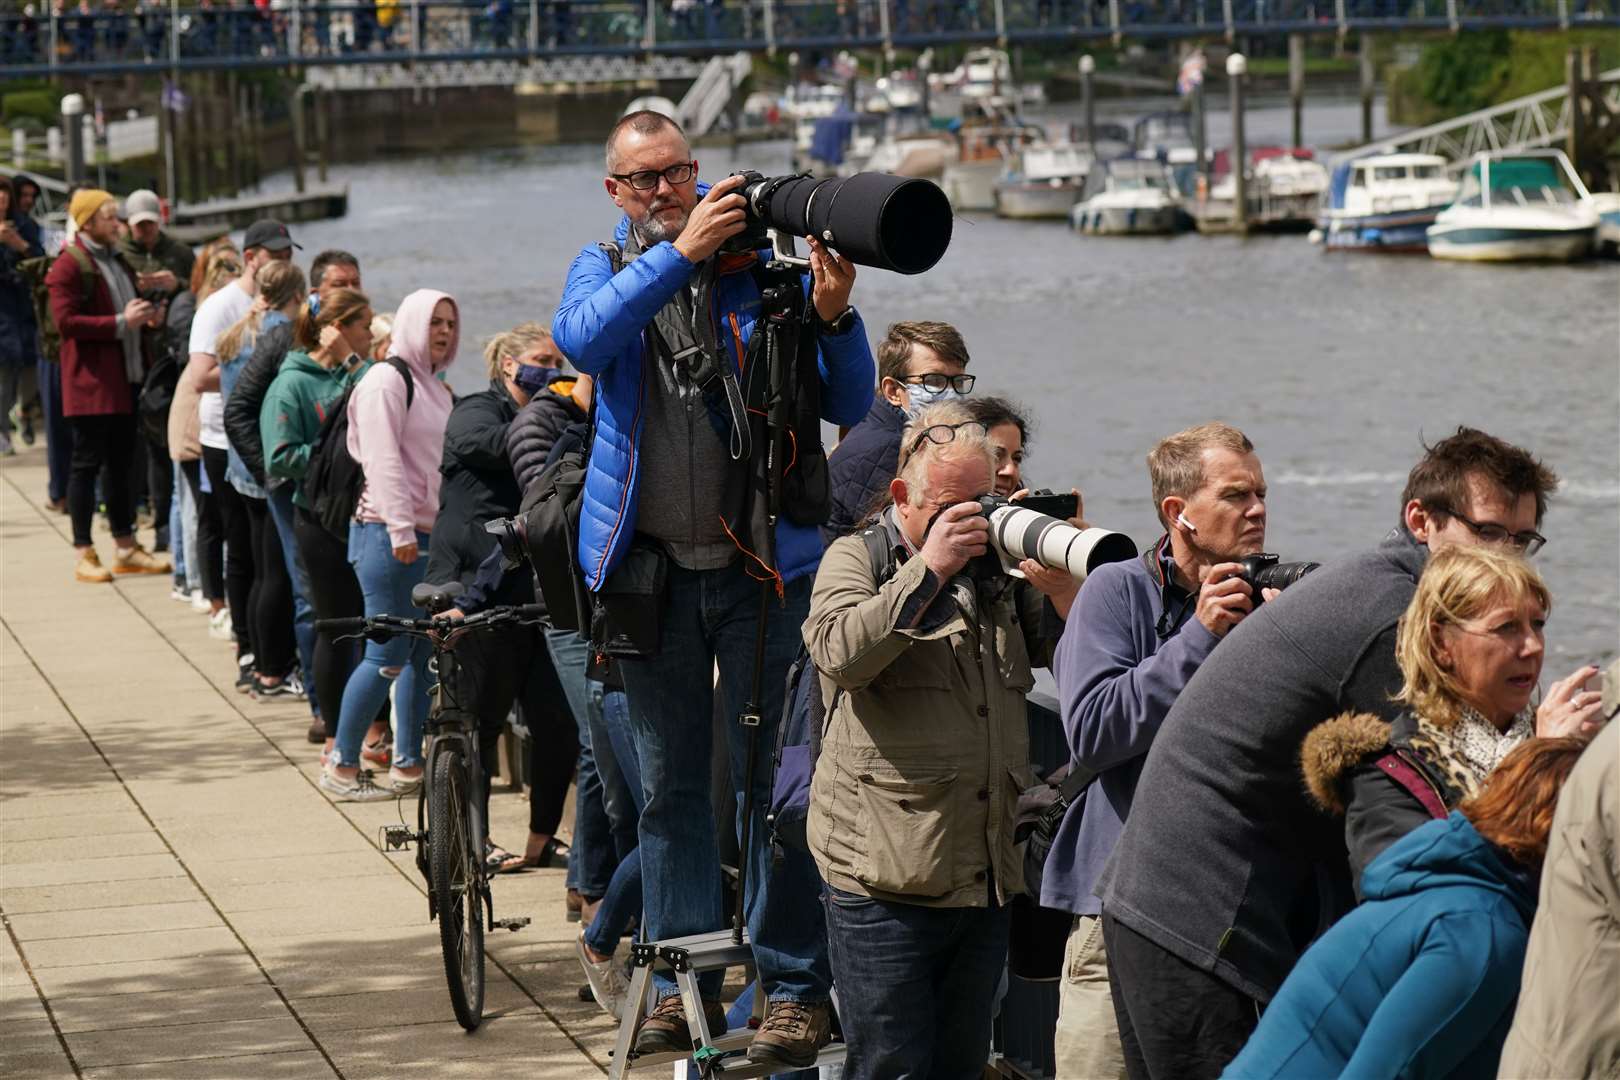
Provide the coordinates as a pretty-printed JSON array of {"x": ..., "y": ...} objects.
[{"x": 1338, "y": 367}]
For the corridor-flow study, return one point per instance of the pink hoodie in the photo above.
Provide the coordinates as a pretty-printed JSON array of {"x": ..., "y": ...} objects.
[{"x": 400, "y": 449}]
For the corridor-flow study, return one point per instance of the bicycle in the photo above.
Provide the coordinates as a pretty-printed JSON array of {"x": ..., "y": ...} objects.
[{"x": 450, "y": 827}]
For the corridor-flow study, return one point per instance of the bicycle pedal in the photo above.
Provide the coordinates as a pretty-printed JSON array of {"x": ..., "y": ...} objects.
[
  {"x": 396, "y": 837},
  {"x": 514, "y": 924}
]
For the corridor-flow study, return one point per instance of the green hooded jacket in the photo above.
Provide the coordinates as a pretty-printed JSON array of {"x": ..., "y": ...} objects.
[{"x": 295, "y": 407}]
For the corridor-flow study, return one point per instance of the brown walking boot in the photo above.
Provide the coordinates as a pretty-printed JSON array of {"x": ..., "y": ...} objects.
[
  {"x": 137, "y": 560},
  {"x": 792, "y": 1034},
  {"x": 91, "y": 570},
  {"x": 665, "y": 1029}
]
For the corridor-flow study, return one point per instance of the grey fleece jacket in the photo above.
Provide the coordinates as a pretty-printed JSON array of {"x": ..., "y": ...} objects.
[{"x": 1224, "y": 861}]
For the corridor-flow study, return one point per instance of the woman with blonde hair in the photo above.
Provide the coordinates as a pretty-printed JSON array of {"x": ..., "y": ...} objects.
[
  {"x": 258, "y": 586},
  {"x": 1470, "y": 648}
]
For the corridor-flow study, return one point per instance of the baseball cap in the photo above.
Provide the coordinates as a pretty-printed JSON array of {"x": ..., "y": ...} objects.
[
  {"x": 270, "y": 235},
  {"x": 142, "y": 206}
]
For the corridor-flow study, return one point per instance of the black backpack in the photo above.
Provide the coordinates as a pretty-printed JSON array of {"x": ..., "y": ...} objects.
[
  {"x": 551, "y": 527},
  {"x": 157, "y": 395},
  {"x": 334, "y": 480},
  {"x": 804, "y": 721}
]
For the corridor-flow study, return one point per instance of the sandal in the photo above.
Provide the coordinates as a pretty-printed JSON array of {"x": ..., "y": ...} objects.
[
  {"x": 554, "y": 851},
  {"x": 497, "y": 860}
]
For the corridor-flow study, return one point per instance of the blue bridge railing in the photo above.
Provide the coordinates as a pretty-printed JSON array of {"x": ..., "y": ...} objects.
[{"x": 115, "y": 36}]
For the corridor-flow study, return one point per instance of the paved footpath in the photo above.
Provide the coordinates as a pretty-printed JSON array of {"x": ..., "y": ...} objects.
[{"x": 180, "y": 900}]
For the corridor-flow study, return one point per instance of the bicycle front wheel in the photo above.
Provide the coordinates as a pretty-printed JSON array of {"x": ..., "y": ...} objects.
[{"x": 453, "y": 856}]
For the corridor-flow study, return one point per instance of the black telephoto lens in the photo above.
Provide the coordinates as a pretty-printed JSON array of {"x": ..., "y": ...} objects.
[{"x": 873, "y": 219}]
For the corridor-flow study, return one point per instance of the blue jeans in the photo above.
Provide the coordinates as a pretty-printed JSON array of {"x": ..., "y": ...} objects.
[
  {"x": 281, "y": 512},
  {"x": 707, "y": 616},
  {"x": 58, "y": 436},
  {"x": 916, "y": 985},
  {"x": 595, "y": 851},
  {"x": 623, "y": 899},
  {"x": 386, "y": 585}
]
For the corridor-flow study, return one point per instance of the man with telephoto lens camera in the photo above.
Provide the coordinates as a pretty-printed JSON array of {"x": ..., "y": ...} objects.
[
  {"x": 665, "y": 319},
  {"x": 1135, "y": 636},
  {"x": 924, "y": 663}
]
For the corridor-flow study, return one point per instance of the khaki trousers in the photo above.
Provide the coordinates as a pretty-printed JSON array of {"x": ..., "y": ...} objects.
[{"x": 1087, "y": 1039}]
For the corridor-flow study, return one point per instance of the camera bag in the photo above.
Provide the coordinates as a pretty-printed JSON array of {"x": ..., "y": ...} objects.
[{"x": 551, "y": 528}]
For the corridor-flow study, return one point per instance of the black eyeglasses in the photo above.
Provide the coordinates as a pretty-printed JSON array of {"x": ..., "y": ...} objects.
[
  {"x": 940, "y": 434},
  {"x": 936, "y": 381},
  {"x": 647, "y": 179},
  {"x": 1527, "y": 543}
]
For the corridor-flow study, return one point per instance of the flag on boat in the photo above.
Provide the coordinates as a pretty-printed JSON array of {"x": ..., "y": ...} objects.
[{"x": 1191, "y": 76}]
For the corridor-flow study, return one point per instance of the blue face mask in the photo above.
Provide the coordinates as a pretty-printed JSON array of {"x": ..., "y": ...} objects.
[
  {"x": 919, "y": 397},
  {"x": 531, "y": 378}
]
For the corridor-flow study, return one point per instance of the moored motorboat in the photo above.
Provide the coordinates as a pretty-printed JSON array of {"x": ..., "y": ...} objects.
[
  {"x": 1385, "y": 202},
  {"x": 1044, "y": 180},
  {"x": 1513, "y": 207},
  {"x": 1131, "y": 197}
]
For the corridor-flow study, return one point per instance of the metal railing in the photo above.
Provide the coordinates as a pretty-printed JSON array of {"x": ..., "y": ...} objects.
[{"x": 288, "y": 32}]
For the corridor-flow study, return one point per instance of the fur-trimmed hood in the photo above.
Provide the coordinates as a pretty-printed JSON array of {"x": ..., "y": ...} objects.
[{"x": 1333, "y": 748}]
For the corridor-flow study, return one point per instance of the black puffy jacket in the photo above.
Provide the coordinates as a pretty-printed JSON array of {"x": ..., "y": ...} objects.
[
  {"x": 242, "y": 406},
  {"x": 538, "y": 426},
  {"x": 861, "y": 467}
]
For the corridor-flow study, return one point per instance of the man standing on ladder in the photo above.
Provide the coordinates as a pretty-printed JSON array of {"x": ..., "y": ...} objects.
[{"x": 663, "y": 319}]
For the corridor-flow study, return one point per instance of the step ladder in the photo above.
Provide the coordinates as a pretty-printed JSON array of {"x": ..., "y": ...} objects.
[{"x": 716, "y": 1054}]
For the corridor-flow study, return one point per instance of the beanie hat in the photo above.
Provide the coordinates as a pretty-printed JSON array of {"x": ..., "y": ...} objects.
[{"x": 84, "y": 204}]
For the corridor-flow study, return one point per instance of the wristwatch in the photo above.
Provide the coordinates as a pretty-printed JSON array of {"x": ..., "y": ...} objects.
[{"x": 843, "y": 324}]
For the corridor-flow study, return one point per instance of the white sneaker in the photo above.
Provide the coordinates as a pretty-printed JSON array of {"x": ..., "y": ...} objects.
[
  {"x": 199, "y": 602},
  {"x": 219, "y": 624},
  {"x": 180, "y": 594},
  {"x": 608, "y": 985},
  {"x": 360, "y": 789},
  {"x": 402, "y": 784}
]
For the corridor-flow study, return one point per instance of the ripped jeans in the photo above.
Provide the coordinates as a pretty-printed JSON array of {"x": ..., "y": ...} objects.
[{"x": 386, "y": 585}]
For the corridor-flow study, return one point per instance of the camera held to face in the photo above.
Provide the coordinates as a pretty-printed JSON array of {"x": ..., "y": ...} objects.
[
  {"x": 1018, "y": 533},
  {"x": 1268, "y": 571}
]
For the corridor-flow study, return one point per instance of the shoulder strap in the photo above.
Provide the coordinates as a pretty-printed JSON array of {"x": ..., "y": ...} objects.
[
  {"x": 614, "y": 252},
  {"x": 405, "y": 373},
  {"x": 879, "y": 550},
  {"x": 87, "y": 270},
  {"x": 1403, "y": 773}
]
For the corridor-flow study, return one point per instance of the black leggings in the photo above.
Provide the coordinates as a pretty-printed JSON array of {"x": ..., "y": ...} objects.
[
  {"x": 238, "y": 532},
  {"x": 102, "y": 446},
  {"x": 335, "y": 594},
  {"x": 504, "y": 666},
  {"x": 270, "y": 603},
  {"x": 210, "y": 555}
]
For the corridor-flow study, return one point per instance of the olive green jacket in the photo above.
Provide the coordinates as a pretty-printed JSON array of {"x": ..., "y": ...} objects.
[{"x": 926, "y": 747}]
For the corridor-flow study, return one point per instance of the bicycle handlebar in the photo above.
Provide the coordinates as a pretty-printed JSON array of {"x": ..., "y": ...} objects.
[{"x": 383, "y": 626}]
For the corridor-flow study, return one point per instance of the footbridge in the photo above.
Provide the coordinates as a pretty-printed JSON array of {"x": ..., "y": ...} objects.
[{"x": 200, "y": 34}]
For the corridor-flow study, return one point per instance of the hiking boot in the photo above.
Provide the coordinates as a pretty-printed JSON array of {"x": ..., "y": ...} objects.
[
  {"x": 317, "y": 731},
  {"x": 137, "y": 560},
  {"x": 665, "y": 1029},
  {"x": 608, "y": 984},
  {"x": 791, "y": 1035},
  {"x": 91, "y": 570},
  {"x": 363, "y": 788}
]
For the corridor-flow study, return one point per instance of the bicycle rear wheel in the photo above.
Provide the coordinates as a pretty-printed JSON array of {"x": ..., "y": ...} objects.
[{"x": 453, "y": 854}]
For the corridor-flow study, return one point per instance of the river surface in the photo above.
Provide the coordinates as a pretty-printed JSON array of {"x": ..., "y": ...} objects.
[{"x": 1338, "y": 367}]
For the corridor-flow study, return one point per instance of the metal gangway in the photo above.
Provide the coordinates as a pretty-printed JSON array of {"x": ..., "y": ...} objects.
[
  {"x": 1536, "y": 120},
  {"x": 706, "y": 100}
]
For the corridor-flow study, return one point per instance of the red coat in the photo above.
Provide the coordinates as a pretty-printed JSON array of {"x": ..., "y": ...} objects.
[{"x": 94, "y": 382}]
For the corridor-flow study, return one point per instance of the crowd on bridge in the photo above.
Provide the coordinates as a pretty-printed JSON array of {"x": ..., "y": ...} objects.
[{"x": 1335, "y": 827}]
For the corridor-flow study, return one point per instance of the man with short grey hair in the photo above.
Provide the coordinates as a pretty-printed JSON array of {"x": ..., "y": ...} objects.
[{"x": 1134, "y": 637}]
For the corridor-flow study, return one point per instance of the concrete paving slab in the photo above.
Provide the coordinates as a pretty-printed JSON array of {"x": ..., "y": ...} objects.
[
  {"x": 122, "y": 948},
  {"x": 109, "y": 1012},
  {"x": 337, "y": 892},
  {"x": 516, "y": 1035},
  {"x": 387, "y": 908},
  {"x": 331, "y": 1018},
  {"x": 292, "y": 1065},
  {"x": 399, "y": 958},
  {"x": 89, "y": 923},
  {"x": 135, "y": 1046},
  {"x": 74, "y": 825},
  {"x": 202, "y": 972},
  {"x": 54, "y": 898},
  {"x": 19, "y": 1003},
  {"x": 111, "y": 799},
  {"x": 87, "y": 848},
  {"x": 71, "y": 868},
  {"x": 32, "y": 1049}
]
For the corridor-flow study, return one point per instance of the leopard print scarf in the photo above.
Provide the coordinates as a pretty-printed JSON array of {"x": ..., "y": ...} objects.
[{"x": 1465, "y": 753}]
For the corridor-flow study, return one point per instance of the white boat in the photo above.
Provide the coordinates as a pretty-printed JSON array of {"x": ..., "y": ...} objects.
[
  {"x": 986, "y": 74},
  {"x": 1607, "y": 204},
  {"x": 970, "y": 180},
  {"x": 1133, "y": 197},
  {"x": 1385, "y": 202},
  {"x": 1514, "y": 207},
  {"x": 921, "y": 154},
  {"x": 1044, "y": 180}
]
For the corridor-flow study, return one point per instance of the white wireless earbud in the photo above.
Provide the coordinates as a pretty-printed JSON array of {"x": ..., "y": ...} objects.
[{"x": 1181, "y": 519}]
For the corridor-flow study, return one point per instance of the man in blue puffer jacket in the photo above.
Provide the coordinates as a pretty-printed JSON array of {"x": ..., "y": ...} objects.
[{"x": 659, "y": 336}]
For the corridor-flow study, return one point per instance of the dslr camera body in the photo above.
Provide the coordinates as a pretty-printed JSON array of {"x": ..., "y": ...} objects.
[{"x": 1268, "y": 571}]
